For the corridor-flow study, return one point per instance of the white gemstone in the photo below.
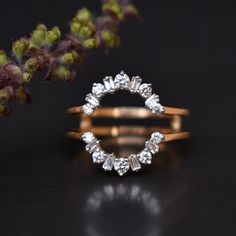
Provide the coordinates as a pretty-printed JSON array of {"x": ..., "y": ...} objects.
[
  {"x": 152, "y": 147},
  {"x": 152, "y": 101},
  {"x": 98, "y": 156},
  {"x": 98, "y": 89},
  {"x": 109, "y": 162},
  {"x": 121, "y": 165},
  {"x": 109, "y": 84},
  {"x": 158, "y": 109},
  {"x": 91, "y": 147},
  {"x": 122, "y": 80},
  {"x": 145, "y": 90},
  {"x": 134, "y": 163},
  {"x": 88, "y": 137},
  {"x": 88, "y": 109},
  {"x": 135, "y": 83},
  {"x": 157, "y": 137},
  {"x": 92, "y": 100},
  {"x": 145, "y": 157},
  {"x": 153, "y": 104}
]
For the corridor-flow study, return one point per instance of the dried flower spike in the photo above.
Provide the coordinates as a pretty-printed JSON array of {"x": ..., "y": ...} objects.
[{"x": 45, "y": 49}]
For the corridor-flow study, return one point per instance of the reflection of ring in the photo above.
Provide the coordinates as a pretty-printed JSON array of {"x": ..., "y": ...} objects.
[{"x": 153, "y": 110}]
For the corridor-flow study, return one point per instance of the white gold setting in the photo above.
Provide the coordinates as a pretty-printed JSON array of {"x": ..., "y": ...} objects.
[
  {"x": 134, "y": 85},
  {"x": 122, "y": 164},
  {"x": 122, "y": 82}
]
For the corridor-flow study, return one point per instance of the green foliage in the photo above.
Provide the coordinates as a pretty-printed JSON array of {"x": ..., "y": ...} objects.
[
  {"x": 19, "y": 47},
  {"x": 3, "y": 58}
]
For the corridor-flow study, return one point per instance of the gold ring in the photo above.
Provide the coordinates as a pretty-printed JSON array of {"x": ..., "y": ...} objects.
[{"x": 153, "y": 110}]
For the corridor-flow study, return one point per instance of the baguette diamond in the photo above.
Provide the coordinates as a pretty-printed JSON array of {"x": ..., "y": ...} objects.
[
  {"x": 109, "y": 84},
  {"x": 152, "y": 147},
  {"x": 91, "y": 147},
  {"x": 152, "y": 101},
  {"x": 153, "y": 104},
  {"x": 135, "y": 83},
  {"x": 134, "y": 162},
  {"x": 109, "y": 162},
  {"x": 92, "y": 100}
]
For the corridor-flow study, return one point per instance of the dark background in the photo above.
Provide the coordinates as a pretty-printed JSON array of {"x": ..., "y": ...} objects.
[{"x": 187, "y": 50}]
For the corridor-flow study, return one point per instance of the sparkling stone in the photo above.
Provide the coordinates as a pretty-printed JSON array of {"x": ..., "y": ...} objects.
[
  {"x": 109, "y": 84},
  {"x": 152, "y": 147},
  {"x": 109, "y": 162},
  {"x": 88, "y": 109},
  {"x": 152, "y": 101},
  {"x": 135, "y": 83},
  {"x": 92, "y": 100},
  {"x": 153, "y": 104},
  {"x": 98, "y": 156},
  {"x": 122, "y": 80},
  {"x": 158, "y": 109},
  {"x": 121, "y": 165},
  {"x": 98, "y": 89},
  {"x": 145, "y": 157},
  {"x": 157, "y": 137},
  {"x": 88, "y": 137},
  {"x": 145, "y": 90},
  {"x": 91, "y": 147},
  {"x": 134, "y": 163}
]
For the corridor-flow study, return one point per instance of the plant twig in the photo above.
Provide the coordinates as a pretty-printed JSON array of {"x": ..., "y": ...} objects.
[{"x": 46, "y": 49}]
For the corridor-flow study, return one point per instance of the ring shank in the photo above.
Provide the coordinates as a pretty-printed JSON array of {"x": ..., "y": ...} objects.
[
  {"x": 130, "y": 112},
  {"x": 171, "y": 133}
]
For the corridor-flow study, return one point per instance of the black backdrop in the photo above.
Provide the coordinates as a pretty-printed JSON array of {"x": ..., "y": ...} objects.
[{"x": 187, "y": 51}]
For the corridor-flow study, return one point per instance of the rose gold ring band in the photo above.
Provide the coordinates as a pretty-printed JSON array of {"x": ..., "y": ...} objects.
[{"x": 171, "y": 132}]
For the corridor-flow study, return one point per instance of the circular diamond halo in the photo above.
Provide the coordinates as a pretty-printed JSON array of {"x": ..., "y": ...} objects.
[{"x": 134, "y": 85}]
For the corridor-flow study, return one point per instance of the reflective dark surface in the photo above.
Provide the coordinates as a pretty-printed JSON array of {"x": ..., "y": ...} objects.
[{"x": 49, "y": 186}]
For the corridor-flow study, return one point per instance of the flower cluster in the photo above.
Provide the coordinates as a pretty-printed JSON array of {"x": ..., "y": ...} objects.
[{"x": 45, "y": 49}]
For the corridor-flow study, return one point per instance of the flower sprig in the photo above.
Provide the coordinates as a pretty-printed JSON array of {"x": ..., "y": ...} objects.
[{"x": 46, "y": 49}]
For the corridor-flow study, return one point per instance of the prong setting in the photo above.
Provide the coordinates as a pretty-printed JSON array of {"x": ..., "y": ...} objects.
[{"x": 109, "y": 84}]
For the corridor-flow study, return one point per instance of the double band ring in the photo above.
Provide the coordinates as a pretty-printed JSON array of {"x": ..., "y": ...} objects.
[{"x": 91, "y": 111}]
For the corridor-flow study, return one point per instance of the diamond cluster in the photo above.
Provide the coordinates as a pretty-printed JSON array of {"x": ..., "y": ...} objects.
[
  {"x": 122, "y": 82},
  {"x": 122, "y": 164},
  {"x": 109, "y": 161}
]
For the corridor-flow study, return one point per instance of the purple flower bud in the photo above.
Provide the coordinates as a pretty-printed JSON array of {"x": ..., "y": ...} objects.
[{"x": 13, "y": 71}]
